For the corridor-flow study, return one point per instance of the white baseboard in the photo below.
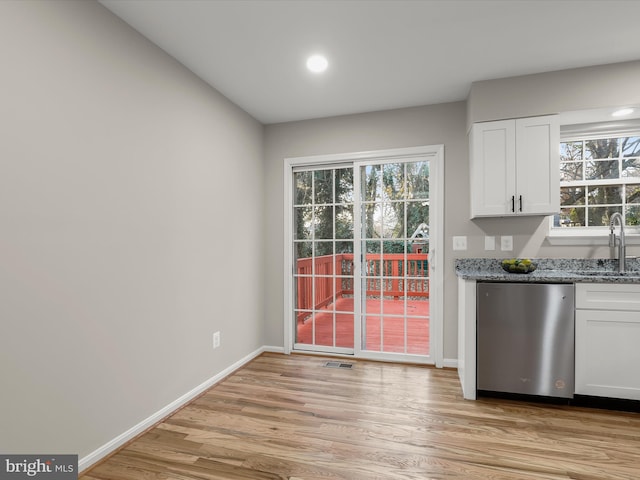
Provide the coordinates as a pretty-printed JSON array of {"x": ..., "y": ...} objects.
[
  {"x": 450, "y": 363},
  {"x": 100, "y": 453},
  {"x": 271, "y": 349}
]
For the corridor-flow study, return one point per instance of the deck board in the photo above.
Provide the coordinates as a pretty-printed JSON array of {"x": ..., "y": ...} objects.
[{"x": 388, "y": 314}]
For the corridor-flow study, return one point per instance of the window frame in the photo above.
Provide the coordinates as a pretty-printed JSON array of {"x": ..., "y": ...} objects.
[{"x": 594, "y": 235}]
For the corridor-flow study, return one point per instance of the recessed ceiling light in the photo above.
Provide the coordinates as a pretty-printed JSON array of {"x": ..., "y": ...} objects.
[
  {"x": 317, "y": 63},
  {"x": 622, "y": 112}
]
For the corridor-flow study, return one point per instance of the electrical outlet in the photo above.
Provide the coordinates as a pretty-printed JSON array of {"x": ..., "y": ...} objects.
[
  {"x": 506, "y": 243},
  {"x": 460, "y": 243},
  {"x": 216, "y": 339}
]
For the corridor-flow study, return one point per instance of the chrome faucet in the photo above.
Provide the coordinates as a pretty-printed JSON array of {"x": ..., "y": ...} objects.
[{"x": 619, "y": 242}]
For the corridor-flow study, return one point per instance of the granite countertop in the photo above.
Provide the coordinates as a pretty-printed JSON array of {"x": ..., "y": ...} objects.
[{"x": 550, "y": 270}]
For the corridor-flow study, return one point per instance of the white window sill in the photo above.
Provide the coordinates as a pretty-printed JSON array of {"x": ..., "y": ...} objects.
[{"x": 561, "y": 237}]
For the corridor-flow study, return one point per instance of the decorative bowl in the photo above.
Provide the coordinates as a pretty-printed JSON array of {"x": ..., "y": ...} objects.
[{"x": 518, "y": 265}]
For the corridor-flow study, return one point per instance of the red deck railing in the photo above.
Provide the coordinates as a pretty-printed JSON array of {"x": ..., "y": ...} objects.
[{"x": 384, "y": 276}]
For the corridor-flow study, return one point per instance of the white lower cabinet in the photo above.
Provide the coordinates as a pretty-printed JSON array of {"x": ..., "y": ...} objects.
[{"x": 608, "y": 340}]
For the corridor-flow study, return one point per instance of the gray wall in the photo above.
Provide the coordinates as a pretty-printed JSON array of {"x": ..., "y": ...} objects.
[
  {"x": 555, "y": 92},
  {"x": 121, "y": 176},
  {"x": 437, "y": 124}
]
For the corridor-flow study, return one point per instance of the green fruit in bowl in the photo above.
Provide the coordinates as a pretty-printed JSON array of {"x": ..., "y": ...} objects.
[{"x": 518, "y": 265}]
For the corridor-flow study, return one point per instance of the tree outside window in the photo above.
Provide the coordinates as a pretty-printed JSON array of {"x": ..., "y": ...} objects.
[{"x": 599, "y": 177}]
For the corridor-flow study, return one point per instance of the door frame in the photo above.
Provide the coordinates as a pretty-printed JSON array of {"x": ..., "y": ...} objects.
[{"x": 435, "y": 155}]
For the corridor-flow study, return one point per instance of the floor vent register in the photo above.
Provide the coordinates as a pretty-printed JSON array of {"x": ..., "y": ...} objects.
[{"x": 339, "y": 365}]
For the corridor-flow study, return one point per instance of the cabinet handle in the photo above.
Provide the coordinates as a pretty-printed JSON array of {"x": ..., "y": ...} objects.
[
  {"x": 513, "y": 203},
  {"x": 520, "y": 202}
]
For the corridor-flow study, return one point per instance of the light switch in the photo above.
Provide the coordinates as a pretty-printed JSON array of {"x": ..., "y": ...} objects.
[
  {"x": 460, "y": 243},
  {"x": 506, "y": 243},
  {"x": 489, "y": 243}
]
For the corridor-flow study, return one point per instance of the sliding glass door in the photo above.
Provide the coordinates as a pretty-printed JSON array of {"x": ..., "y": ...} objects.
[{"x": 361, "y": 243}]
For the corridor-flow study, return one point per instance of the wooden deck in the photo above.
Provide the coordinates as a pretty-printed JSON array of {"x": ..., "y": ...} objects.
[
  {"x": 289, "y": 418},
  {"x": 385, "y": 326},
  {"x": 389, "y": 275},
  {"x": 324, "y": 301}
]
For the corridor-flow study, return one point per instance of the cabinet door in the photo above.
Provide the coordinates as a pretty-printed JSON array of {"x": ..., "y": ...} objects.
[
  {"x": 537, "y": 165},
  {"x": 492, "y": 168},
  {"x": 608, "y": 353}
]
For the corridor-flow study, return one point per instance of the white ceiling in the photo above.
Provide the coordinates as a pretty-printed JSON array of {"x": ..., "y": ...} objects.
[{"x": 382, "y": 54}]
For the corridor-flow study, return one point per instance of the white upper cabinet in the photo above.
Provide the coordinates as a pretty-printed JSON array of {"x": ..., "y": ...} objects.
[{"x": 514, "y": 167}]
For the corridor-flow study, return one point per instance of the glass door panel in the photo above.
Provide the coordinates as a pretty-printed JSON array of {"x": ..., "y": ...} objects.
[
  {"x": 324, "y": 259},
  {"x": 395, "y": 244}
]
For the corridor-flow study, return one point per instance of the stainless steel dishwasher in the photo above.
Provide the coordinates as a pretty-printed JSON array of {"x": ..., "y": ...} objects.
[{"x": 525, "y": 335}]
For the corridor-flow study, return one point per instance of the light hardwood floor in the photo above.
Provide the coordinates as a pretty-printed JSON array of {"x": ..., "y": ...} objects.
[{"x": 289, "y": 417}]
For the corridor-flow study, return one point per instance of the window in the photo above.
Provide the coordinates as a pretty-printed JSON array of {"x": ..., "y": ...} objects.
[{"x": 598, "y": 176}]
